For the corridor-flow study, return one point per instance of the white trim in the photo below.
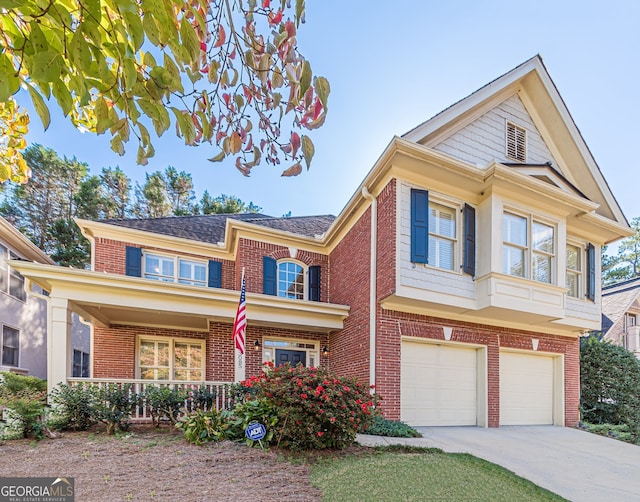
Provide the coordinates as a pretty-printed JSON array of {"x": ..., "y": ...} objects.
[
  {"x": 558, "y": 379},
  {"x": 172, "y": 341},
  {"x": 5, "y": 325},
  {"x": 482, "y": 374},
  {"x": 305, "y": 275},
  {"x": 516, "y": 129},
  {"x": 529, "y": 252},
  {"x": 267, "y": 356}
]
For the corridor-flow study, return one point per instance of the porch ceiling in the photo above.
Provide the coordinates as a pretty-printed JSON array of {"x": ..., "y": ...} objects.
[{"x": 110, "y": 299}]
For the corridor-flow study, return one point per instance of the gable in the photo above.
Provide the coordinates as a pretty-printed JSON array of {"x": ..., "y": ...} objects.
[
  {"x": 563, "y": 144},
  {"x": 484, "y": 140}
]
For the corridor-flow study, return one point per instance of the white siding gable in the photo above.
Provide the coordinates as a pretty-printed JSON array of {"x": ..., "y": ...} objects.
[{"x": 484, "y": 140}]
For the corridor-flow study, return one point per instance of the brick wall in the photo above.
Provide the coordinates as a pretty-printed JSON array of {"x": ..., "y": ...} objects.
[
  {"x": 114, "y": 353},
  {"x": 109, "y": 256},
  {"x": 114, "y": 348},
  {"x": 250, "y": 254},
  {"x": 349, "y": 271},
  {"x": 392, "y": 326}
]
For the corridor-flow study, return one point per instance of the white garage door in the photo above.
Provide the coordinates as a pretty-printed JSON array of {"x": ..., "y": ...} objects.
[
  {"x": 526, "y": 389},
  {"x": 438, "y": 384}
]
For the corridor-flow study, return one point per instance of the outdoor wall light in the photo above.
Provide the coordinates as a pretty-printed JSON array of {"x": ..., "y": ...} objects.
[
  {"x": 256, "y": 345},
  {"x": 325, "y": 351}
]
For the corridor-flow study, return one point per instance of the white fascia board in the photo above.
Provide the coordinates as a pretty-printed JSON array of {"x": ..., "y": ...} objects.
[{"x": 21, "y": 244}]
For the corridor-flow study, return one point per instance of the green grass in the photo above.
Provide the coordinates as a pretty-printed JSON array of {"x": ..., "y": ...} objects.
[{"x": 390, "y": 476}]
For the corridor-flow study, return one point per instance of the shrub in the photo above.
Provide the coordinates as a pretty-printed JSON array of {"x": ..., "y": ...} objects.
[
  {"x": 164, "y": 402},
  {"x": 115, "y": 405},
  {"x": 201, "y": 426},
  {"x": 380, "y": 426},
  {"x": 73, "y": 408},
  {"x": 315, "y": 409},
  {"x": 609, "y": 385},
  {"x": 201, "y": 399},
  {"x": 253, "y": 410},
  {"x": 25, "y": 396}
]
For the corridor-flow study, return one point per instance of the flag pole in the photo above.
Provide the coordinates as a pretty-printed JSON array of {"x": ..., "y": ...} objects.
[{"x": 239, "y": 331}]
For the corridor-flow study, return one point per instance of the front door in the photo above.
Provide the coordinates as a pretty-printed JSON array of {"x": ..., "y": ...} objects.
[{"x": 293, "y": 357}]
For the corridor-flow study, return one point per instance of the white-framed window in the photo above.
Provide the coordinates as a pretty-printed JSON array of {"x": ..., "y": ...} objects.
[
  {"x": 11, "y": 281},
  {"x": 543, "y": 251},
  {"x": 192, "y": 272},
  {"x": 516, "y": 143},
  {"x": 292, "y": 280},
  {"x": 10, "y": 346},
  {"x": 167, "y": 268},
  {"x": 630, "y": 321},
  {"x": 442, "y": 236},
  {"x": 274, "y": 347},
  {"x": 80, "y": 364},
  {"x": 528, "y": 247},
  {"x": 161, "y": 358},
  {"x": 574, "y": 271},
  {"x": 514, "y": 244}
]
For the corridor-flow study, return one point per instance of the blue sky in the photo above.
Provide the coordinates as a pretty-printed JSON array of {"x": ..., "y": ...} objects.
[{"x": 393, "y": 65}]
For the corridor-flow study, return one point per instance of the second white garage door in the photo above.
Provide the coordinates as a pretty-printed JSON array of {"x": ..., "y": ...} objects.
[
  {"x": 438, "y": 384},
  {"x": 526, "y": 389}
]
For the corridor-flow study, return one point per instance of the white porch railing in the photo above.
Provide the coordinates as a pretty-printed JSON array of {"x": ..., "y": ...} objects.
[{"x": 221, "y": 399}]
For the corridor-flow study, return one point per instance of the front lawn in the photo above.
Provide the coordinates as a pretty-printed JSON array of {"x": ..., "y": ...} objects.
[{"x": 397, "y": 476}]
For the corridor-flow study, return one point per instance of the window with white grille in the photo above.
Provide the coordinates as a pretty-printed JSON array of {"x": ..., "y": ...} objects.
[{"x": 516, "y": 143}]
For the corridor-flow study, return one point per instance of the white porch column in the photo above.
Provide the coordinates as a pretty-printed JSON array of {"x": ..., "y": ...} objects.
[{"x": 59, "y": 359}]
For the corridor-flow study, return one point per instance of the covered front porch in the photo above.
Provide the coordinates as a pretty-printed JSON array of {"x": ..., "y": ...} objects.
[{"x": 145, "y": 331}]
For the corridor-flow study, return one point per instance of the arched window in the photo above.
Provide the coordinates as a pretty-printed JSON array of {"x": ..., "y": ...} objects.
[{"x": 291, "y": 280}]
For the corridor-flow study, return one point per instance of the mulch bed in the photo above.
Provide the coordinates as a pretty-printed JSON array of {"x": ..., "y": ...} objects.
[{"x": 159, "y": 464}]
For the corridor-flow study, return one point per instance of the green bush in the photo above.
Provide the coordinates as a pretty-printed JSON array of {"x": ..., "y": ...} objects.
[
  {"x": 115, "y": 405},
  {"x": 380, "y": 426},
  {"x": 253, "y": 410},
  {"x": 609, "y": 385},
  {"x": 73, "y": 408},
  {"x": 201, "y": 427},
  {"x": 164, "y": 402},
  {"x": 26, "y": 397},
  {"x": 201, "y": 399},
  {"x": 315, "y": 409},
  {"x": 619, "y": 432}
]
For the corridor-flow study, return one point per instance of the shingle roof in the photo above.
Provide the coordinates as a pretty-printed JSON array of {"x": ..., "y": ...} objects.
[
  {"x": 210, "y": 228},
  {"x": 616, "y": 300}
]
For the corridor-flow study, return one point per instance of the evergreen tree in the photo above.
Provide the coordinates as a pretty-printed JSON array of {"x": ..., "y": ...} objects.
[{"x": 626, "y": 264}]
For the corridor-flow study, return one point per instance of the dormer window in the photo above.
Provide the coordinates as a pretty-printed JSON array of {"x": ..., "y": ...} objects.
[{"x": 516, "y": 142}]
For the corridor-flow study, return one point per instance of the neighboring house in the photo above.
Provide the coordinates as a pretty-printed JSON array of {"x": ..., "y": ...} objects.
[
  {"x": 23, "y": 318},
  {"x": 457, "y": 279},
  {"x": 23, "y": 311},
  {"x": 620, "y": 314}
]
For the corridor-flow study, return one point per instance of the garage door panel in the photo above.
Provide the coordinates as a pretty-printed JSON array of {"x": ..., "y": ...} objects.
[
  {"x": 526, "y": 389},
  {"x": 438, "y": 384}
]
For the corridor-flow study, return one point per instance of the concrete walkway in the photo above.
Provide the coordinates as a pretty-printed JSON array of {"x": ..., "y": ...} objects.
[{"x": 574, "y": 464}]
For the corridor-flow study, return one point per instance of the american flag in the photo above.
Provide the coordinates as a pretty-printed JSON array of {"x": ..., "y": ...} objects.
[{"x": 240, "y": 324}]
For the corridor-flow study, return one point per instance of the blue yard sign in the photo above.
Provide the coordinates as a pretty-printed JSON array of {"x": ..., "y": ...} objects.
[{"x": 255, "y": 431}]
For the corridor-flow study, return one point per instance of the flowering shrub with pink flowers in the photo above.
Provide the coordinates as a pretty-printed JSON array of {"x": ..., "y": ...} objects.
[{"x": 315, "y": 408}]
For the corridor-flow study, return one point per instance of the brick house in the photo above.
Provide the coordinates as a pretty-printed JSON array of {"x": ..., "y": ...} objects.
[{"x": 457, "y": 279}]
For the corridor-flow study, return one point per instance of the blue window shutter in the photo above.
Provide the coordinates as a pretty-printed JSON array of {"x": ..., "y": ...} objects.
[
  {"x": 591, "y": 272},
  {"x": 314, "y": 283},
  {"x": 215, "y": 274},
  {"x": 133, "y": 261},
  {"x": 419, "y": 226},
  {"x": 269, "y": 272},
  {"x": 469, "y": 255}
]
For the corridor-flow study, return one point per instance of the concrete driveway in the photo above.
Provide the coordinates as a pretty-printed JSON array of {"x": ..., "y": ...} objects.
[{"x": 574, "y": 464}]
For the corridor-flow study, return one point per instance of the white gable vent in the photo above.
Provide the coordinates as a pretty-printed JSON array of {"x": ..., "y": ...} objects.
[{"x": 516, "y": 142}]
